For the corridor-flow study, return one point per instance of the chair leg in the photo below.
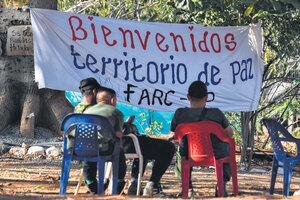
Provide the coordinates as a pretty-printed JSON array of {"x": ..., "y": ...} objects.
[
  {"x": 185, "y": 176},
  {"x": 108, "y": 175},
  {"x": 101, "y": 167},
  {"x": 287, "y": 174},
  {"x": 79, "y": 182},
  {"x": 274, "y": 174},
  {"x": 115, "y": 165},
  {"x": 219, "y": 176},
  {"x": 108, "y": 169},
  {"x": 141, "y": 165},
  {"x": 66, "y": 164},
  {"x": 234, "y": 178}
]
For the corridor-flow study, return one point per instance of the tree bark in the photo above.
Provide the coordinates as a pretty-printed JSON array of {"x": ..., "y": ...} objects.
[
  {"x": 9, "y": 107},
  {"x": 245, "y": 135},
  {"x": 19, "y": 97},
  {"x": 55, "y": 107},
  {"x": 253, "y": 117},
  {"x": 248, "y": 128},
  {"x": 29, "y": 112}
]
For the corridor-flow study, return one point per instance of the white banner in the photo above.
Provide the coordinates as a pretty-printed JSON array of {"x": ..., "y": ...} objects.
[{"x": 150, "y": 65}]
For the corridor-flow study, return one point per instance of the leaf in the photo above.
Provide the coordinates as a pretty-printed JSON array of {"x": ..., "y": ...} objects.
[
  {"x": 23, "y": 168},
  {"x": 38, "y": 187},
  {"x": 259, "y": 14},
  {"x": 191, "y": 6},
  {"x": 276, "y": 6},
  {"x": 249, "y": 10},
  {"x": 198, "y": 3},
  {"x": 181, "y": 5},
  {"x": 152, "y": 18},
  {"x": 24, "y": 172}
]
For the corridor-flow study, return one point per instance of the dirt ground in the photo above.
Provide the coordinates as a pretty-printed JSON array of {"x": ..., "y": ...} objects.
[{"x": 39, "y": 179}]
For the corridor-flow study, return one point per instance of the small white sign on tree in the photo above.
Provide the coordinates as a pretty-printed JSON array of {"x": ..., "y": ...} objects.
[{"x": 19, "y": 41}]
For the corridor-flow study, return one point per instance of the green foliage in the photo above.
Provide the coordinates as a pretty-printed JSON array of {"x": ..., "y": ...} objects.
[
  {"x": 38, "y": 187},
  {"x": 287, "y": 110},
  {"x": 125, "y": 9},
  {"x": 279, "y": 19},
  {"x": 281, "y": 26},
  {"x": 290, "y": 108},
  {"x": 296, "y": 132},
  {"x": 24, "y": 170},
  {"x": 235, "y": 122}
]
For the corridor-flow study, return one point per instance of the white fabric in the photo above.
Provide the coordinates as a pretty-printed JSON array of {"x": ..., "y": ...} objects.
[{"x": 156, "y": 72}]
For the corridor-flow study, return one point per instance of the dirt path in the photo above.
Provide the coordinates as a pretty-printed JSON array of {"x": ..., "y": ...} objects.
[{"x": 39, "y": 179}]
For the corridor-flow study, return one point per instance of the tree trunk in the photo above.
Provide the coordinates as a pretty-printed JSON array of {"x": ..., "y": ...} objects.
[
  {"x": 248, "y": 128},
  {"x": 9, "y": 107},
  {"x": 245, "y": 134},
  {"x": 253, "y": 117},
  {"x": 30, "y": 111},
  {"x": 19, "y": 97},
  {"x": 55, "y": 107},
  {"x": 47, "y": 4}
]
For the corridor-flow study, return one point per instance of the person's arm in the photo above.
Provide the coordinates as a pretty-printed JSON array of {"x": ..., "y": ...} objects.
[
  {"x": 167, "y": 136},
  {"x": 229, "y": 131},
  {"x": 225, "y": 123},
  {"x": 172, "y": 138},
  {"x": 173, "y": 127},
  {"x": 119, "y": 118}
]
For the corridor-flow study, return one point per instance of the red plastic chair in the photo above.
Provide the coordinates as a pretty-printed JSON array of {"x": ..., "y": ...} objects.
[{"x": 201, "y": 153}]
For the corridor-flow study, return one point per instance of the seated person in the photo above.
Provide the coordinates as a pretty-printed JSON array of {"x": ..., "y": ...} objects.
[
  {"x": 92, "y": 92},
  {"x": 198, "y": 95},
  {"x": 161, "y": 151}
]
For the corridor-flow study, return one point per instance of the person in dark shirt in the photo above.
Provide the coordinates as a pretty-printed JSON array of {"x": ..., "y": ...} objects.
[{"x": 198, "y": 95}]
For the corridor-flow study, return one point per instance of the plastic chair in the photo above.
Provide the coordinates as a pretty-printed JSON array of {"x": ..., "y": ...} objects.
[
  {"x": 86, "y": 147},
  {"x": 278, "y": 134},
  {"x": 201, "y": 153},
  {"x": 108, "y": 174},
  {"x": 138, "y": 155}
]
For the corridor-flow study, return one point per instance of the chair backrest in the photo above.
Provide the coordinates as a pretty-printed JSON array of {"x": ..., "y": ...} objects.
[
  {"x": 278, "y": 134},
  {"x": 86, "y": 127},
  {"x": 198, "y": 133}
]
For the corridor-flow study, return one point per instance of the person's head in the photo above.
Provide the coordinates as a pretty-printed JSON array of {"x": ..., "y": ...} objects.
[
  {"x": 106, "y": 96},
  {"x": 197, "y": 93},
  {"x": 89, "y": 87}
]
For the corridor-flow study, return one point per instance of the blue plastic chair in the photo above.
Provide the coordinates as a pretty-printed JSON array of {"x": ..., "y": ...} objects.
[
  {"x": 278, "y": 134},
  {"x": 86, "y": 147}
]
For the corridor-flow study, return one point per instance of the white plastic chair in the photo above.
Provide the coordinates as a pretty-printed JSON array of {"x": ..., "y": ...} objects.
[
  {"x": 138, "y": 154},
  {"x": 107, "y": 174},
  {"x": 108, "y": 170}
]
